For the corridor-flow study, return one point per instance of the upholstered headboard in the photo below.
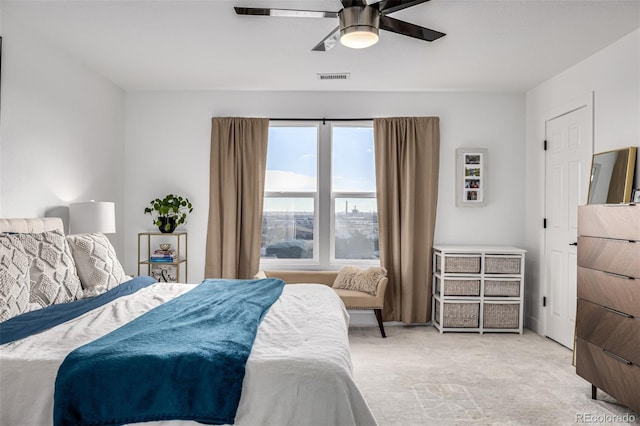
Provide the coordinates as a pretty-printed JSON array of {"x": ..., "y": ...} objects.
[{"x": 31, "y": 225}]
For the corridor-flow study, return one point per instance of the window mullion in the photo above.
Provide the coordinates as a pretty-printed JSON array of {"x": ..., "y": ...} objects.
[
  {"x": 354, "y": 195},
  {"x": 324, "y": 194}
]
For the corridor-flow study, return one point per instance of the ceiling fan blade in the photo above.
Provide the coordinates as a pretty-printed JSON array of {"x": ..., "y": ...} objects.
[
  {"x": 328, "y": 42},
  {"x": 288, "y": 13},
  {"x": 411, "y": 30},
  {"x": 389, "y": 6},
  {"x": 350, "y": 3}
]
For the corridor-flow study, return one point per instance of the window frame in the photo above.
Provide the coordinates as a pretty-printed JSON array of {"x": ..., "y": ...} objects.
[
  {"x": 324, "y": 203},
  {"x": 340, "y": 194},
  {"x": 315, "y": 260}
]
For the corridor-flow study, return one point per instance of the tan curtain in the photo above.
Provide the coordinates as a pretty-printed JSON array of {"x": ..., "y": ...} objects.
[
  {"x": 238, "y": 164},
  {"x": 407, "y": 151}
]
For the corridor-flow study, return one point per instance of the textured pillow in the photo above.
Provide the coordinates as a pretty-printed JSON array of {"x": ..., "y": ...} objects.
[
  {"x": 53, "y": 277},
  {"x": 14, "y": 278},
  {"x": 353, "y": 278},
  {"x": 98, "y": 267}
]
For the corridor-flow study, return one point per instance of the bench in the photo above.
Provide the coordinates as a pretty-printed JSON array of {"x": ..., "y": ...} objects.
[{"x": 354, "y": 300}]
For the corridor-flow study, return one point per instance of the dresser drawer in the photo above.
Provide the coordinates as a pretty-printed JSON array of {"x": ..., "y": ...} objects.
[
  {"x": 458, "y": 263},
  {"x": 608, "y": 373},
  {"x": 457, "y": 286},
  {"x": 622, "y": 222},
  {"x": 612, "y": 291},
  {"x": 502, "y": 264},
  {"x": 617, "y": 256},
  {"x": 609, "y": 330}
]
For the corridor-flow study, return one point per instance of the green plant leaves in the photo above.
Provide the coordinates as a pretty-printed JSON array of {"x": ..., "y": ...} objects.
[{"x": 169, "y": 206}]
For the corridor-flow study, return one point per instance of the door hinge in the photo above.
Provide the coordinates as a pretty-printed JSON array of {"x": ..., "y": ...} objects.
[
  {"x": 544, "y": 301},
  {"x": 545, "y": 145},
  {"x": 544, "y": 223}
]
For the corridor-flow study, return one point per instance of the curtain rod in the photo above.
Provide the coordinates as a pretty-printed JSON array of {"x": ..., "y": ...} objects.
[{"x": 324, "y": 120}]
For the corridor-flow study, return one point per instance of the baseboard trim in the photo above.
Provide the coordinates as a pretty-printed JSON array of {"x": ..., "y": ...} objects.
[
  {"x": 366, "y": 318},
  {"x": 534, "y": 324},
  {"x": 363, "y": 318}
]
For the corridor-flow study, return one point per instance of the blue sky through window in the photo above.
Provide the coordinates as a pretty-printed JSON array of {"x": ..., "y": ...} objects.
[
  {"x": 353, "y": 160},
  {"x": 292, "y": 165},
  {"x": 292, "y": 159}
]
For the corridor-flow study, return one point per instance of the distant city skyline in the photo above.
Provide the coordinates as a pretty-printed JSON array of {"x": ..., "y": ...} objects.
[
  {"x": 291, "y": 235},
  {"x": 305, "y": 205}
]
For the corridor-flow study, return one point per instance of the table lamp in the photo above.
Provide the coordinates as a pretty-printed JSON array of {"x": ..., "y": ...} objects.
[{"x": 92, "y": 216}]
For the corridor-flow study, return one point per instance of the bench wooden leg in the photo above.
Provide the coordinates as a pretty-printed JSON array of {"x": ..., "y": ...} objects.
[{"x": 378, "y": 313}]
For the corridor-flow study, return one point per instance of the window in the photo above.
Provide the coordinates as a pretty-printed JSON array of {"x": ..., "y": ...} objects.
[
  {"x": 291, "y": 194},
  {"x": 353, "y": 184},
  {"x": 320, "y": 201}
]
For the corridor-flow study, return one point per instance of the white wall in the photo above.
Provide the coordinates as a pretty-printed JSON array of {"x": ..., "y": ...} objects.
[
  {"x": 62, "y": 134},
  {"x": 613, "y": 76},
  {"x": 168, "y": 139}
]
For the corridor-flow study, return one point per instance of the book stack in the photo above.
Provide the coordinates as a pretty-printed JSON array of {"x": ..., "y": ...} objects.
[{"x": 163, "y": 256}]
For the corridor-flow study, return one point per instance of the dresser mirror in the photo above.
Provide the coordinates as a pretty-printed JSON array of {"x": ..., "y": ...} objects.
[{"x": 611, "y": 178}]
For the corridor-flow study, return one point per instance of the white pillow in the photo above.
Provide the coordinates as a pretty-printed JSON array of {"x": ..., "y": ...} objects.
[
  {"x": 14, "y": 278},
  {"x": 97, "y": 264},
  {"x": 53, "y": 277}
]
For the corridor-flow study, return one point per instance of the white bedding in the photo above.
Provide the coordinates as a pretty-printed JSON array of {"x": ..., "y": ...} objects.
[{"x": 299, "y": 371}]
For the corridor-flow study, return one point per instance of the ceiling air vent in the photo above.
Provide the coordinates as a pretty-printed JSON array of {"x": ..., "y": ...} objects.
[{"x": 334, "y": 76}]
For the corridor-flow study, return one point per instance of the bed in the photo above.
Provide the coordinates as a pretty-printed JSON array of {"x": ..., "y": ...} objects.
[{"x": 298, "y": 372}]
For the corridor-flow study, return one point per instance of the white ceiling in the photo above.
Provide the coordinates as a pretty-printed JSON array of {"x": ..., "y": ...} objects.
[{"x": 491, "y": 45}]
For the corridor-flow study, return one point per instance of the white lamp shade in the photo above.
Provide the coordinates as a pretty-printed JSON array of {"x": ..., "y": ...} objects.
[{"x": 91, "y": 217}]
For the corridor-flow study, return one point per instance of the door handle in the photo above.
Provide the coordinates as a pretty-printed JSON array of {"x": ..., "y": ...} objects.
[
  {"x": 618, "y": 357},
  {"x": 613, "y": 311},
  {"x": 618, "y": 275},
  {"x": 573, "y": 244}
]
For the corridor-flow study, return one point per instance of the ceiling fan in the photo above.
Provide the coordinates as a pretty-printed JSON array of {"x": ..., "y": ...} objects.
[{"x": 359, "y": 22}]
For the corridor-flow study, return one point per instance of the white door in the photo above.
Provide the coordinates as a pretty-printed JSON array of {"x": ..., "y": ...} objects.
[{"x": 568, "y": 162}]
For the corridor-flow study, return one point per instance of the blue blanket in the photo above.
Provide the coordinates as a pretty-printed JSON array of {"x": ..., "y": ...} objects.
[
  {"x": 184, "y": 360},
  {"x": 43, "y": 319}
]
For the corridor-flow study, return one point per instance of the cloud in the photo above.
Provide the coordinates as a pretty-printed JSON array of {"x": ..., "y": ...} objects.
[{"x": 280, "y": 180}]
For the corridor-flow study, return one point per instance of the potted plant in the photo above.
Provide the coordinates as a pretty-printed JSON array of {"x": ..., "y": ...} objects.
[{"x": 169, "y": 212}]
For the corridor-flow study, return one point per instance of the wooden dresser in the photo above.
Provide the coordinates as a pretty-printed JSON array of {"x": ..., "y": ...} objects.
[{"x": 608, "y": 314}]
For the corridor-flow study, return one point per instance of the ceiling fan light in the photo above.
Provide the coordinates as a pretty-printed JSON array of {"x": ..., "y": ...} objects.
[
  {"x": 359, "y": 39},
  {"x": 359, "y": 26}
]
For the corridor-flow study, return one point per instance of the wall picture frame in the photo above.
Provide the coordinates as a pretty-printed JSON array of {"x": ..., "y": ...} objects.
[{"x": 471, "y": 181}]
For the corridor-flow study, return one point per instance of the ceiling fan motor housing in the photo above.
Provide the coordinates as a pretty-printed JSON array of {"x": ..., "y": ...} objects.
[{"x": 359, "y": 26}]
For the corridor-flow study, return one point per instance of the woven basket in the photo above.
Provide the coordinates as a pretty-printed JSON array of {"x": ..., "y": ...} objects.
[
  {"x": 502, "y": 288},
  {"x": 458, "y": 287},
  {"x": 459, "y": 315},
  {"x": 501, "y": 315},
  {"x": 466, "y": 265},
  {"x": 502, "y": 265}
]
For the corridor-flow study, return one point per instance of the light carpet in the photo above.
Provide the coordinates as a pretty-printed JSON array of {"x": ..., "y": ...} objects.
[{"x": 417, "y": 376}]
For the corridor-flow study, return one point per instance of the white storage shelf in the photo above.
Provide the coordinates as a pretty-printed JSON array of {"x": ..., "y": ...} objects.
[{"x": 478, "y": 288}]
